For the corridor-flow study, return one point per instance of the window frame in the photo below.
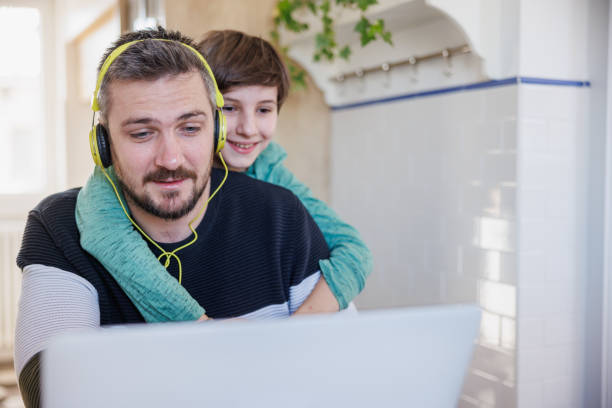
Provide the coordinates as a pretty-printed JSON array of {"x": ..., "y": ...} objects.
[{"x": 17, "y": 205}]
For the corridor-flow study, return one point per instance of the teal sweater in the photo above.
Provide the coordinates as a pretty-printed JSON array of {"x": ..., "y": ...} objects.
[{"x": 108, "y": 235}]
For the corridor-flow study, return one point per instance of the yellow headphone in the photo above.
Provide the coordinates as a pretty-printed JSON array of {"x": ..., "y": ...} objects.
[
  {"x": 100, "y": 148},
  {"x": 98, "y": 135}
]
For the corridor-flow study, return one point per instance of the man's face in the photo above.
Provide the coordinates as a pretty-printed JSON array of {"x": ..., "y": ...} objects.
[
  {"x": 161, "y": 135},
  {"x": 251, "y": 113}
]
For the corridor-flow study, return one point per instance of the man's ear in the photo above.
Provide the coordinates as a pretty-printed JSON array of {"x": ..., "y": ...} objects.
[{"x": 104, "y": 122}]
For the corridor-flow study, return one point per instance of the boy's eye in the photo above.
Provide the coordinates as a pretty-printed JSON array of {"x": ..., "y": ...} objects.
[
  {"x": 227, "y": 108},
  {"x": 266, "y": 109}
]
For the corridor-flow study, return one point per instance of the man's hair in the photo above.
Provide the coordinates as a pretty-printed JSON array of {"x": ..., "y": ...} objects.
[
  {"x": 239, "y": 59},
  {"x": 151, "y": 60}
]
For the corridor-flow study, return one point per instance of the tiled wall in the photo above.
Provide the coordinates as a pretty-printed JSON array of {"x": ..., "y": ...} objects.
[
  {"x": 431, "y": 184},
  {"x": 487, "y": 196},
  {"x": 480, "y": 196},
  {"x": 551, "y": 276}
]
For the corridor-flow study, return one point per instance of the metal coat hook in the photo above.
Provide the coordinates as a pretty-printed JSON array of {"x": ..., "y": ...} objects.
[
  {"x": 448, "y": 70},
  {"x": 413, "y": 61},
  {"x": 359, "y": 73},
  {"x": 414, "y": 72},
  {"x": 386, "y": 68}
]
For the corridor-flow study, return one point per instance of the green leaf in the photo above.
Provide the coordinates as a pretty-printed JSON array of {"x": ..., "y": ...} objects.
[
  {"x": 362, "y": 25},
  {"x": 324, "y": 7},
  {"x": 328, "y": 54},
  {"x": 299, "y": 80},
  {"x": 377, "y": 27},
  {"x": 285, "y": 9},
  {"x": 312, "y": 7},
  {"x": 345, "y": 52},
  {"x": 325, "y": 41},
  {"x": 386, "y": 36},
  {"x": 364, "y": 4},
  {"x": 322, "y": 40}
]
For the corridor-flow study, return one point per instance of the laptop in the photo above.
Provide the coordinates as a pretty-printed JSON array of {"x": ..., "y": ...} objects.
[{"x": 414, "y": 357}]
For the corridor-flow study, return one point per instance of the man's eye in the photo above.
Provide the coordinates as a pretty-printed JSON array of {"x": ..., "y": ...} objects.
[
  {"x": 140, "y": 135},
  {"x": 191, "y": 129}
]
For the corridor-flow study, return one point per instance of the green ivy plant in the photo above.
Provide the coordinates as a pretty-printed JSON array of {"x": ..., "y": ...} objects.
[{"x": 326, "y": 46}]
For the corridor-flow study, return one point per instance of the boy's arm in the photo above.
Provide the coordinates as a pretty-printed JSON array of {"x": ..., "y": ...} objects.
[
  {"x": 350, "y": 262},
  {"x": 320, "y": 300}
]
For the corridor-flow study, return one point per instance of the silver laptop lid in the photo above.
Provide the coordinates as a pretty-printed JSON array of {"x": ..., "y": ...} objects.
[{"x": 414, "y": 357}]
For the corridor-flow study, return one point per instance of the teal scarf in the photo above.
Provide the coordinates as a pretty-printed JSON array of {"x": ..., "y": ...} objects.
[{"x": 132, "y": 264}]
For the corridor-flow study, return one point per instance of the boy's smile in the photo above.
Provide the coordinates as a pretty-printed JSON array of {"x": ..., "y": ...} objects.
[{"x": 251, "y": 113}]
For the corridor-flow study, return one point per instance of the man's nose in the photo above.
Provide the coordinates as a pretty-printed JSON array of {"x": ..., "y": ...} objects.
[{"x": 169, "y": 154}]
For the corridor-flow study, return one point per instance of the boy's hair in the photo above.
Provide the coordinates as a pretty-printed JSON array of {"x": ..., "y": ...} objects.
[
  {"x": 239, "y": 59},
  {"x": 151, "y": 60}
]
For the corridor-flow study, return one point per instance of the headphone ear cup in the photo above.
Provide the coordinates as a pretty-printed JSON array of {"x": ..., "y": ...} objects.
[
  {"x": 103, "y": 145},
  {"x": 220, "y": 130}
]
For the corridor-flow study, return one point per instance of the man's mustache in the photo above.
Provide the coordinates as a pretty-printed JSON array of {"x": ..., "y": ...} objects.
[{"x": 164, "y": 174}]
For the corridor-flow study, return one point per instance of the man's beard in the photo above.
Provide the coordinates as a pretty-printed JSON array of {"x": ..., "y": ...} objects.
[{"x": 146, "y": 202}]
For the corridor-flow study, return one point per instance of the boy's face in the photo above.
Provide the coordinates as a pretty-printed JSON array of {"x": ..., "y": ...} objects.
[{"x": 251, "y": 113}]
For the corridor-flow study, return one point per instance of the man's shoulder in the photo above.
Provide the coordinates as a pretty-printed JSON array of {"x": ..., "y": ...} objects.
[
  {"x": 244, "y": 185},
  {"x": 51, "y": 229},
  {"x": 55, "y": 212},
  {"x": 61, "y": 200}
]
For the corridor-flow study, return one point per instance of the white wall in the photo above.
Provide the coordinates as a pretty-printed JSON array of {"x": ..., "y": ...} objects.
[
  {"x": 606, "y": 361},
  {"x": 553, "y": 38},
  {"x": 430, "y": 183},
  {"x": 598, "y": 67},
  {"x": 494, "y": 196},
  {"x": 551, "y": 270},
  {"x": 561, "y": 146}
]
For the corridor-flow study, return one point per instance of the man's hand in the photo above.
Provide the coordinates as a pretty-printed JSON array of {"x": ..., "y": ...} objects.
[
  {"x": 204, "y": 318},
  {"x": 321, "y": 300}
]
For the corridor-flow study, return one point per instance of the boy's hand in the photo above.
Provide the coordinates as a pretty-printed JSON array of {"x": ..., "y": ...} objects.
[{"x": 321, "y": 300}]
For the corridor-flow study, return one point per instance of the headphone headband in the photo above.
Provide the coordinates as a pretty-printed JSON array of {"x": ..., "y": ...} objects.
[
  {"x": 98, "y": 135},
  {"x": 120, "y": 49},
  {"x": 101, "y": 154}
]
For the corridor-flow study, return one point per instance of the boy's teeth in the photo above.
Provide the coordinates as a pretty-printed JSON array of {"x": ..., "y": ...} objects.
[{"x": 243, "y": 146}]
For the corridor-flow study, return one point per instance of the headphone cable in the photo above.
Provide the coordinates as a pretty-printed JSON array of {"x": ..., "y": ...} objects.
[{"x": 171, "y": 254}]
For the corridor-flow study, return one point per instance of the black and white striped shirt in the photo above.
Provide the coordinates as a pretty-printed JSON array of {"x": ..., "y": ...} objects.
[{"x": 256, "y": 257}]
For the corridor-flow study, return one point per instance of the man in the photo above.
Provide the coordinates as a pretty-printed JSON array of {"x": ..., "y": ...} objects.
[{"x": 257, "y": 249}]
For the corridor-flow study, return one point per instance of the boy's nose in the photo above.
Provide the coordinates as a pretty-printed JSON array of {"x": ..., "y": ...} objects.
[{"x": 247, "y": 126}]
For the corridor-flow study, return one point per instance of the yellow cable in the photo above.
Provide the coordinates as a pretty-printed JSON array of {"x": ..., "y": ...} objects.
[{"x": 170, "y": 255}]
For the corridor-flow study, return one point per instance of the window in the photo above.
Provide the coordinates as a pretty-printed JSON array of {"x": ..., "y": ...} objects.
[{"x": 22, "y": 130}]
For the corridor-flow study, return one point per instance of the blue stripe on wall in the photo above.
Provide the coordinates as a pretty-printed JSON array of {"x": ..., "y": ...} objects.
[
  {"x": 477, "y": 85},
  {"x": 558, "y": 82}
]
